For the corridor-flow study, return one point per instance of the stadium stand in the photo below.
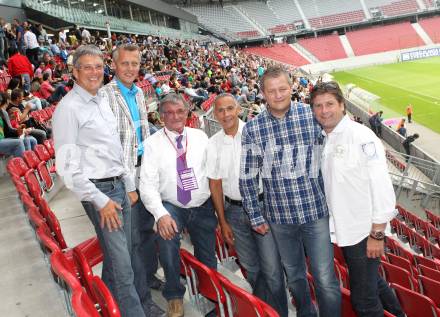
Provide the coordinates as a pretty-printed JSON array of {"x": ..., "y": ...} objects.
[
  {"x": 432, "y": 28},
  {"x": 384, "y": 38},
  {"x": 260, "y": 13},
  {"x": 287, "y": 14},
  {"x": 393, "y": 8},
  {"x": 325, "y": 48},
  {"x": 280, "y": 52},
  {"x": 225, "y": 21},
  {"x": 329, "y": 13}
]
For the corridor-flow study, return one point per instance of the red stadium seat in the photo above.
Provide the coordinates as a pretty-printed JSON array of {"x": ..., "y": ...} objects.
[
  {"x": 430, "y": 288},
  {"x": 433, "y": 218},
  {"x": 205, "y": 282},
  {"x": 398, "y": 275},
  {"x": 82, "y": 305},
  {"x": 429, "y": 272},
  {"x": 107, "y": 304},
  {"x": 33, "y": 185},
  {"x": 415, "y": 304},
  {"x": 17, "y": 166},
  {"x": 49, "y": 146},
  {"x": 35, "y": 218},
  {"x": 337, "y": 253},
  {"x": 342, "y": 274},
  {"x": 241, "y": 303},
  {"x": 41, "y": 169},
  {"x": 401, "y": 262}
]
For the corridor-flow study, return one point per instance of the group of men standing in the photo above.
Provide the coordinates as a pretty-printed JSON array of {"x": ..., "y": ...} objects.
[{"x": 283, "y": 186}]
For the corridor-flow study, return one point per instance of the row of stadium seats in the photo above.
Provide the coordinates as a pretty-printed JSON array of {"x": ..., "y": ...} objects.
[{"x": 280, "y": 16}]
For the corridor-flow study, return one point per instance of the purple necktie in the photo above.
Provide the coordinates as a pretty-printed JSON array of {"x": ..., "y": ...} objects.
[{"x": 183, "y": 196}]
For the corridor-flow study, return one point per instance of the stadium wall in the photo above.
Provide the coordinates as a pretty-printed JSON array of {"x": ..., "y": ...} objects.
[{"x": 361, "y": 61}]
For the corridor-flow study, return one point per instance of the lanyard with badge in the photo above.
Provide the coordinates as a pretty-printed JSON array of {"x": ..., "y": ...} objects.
[{"x": 186, "y": 175}]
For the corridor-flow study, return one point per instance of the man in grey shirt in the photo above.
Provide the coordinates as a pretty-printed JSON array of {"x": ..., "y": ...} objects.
[{"x": 89, "y": 158}]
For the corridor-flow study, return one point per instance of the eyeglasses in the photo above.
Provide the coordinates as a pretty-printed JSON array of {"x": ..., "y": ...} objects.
[{"x": 90, "y": 68}]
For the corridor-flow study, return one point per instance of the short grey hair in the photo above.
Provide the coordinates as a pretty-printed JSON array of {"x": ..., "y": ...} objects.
[
  {"x": 225, "y": 95},
  {"x": 126, "y": 47},
  {"x": 172, "y": 98},
  {"x": 82, "y": 50}
]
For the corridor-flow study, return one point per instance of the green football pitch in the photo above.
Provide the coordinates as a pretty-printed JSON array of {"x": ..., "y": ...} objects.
[{"x": 415, "y": 82}]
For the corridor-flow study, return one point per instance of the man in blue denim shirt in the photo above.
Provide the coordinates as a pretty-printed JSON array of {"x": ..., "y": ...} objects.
[
  {"x": 257, "y": 253},
  {"x": 282, "y": 147}
]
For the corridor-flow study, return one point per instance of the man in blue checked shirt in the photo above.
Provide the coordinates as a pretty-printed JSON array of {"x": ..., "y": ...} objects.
[{"x": 283, "y": 146}]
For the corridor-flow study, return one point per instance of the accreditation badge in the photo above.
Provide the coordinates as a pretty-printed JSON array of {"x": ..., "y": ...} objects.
[
  {"x": 188, "y": 179},
  {"x": 369, "y": 150}
]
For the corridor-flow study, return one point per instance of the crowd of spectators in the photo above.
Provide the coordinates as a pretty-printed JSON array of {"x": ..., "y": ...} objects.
[{"x": 40, "y": 67}]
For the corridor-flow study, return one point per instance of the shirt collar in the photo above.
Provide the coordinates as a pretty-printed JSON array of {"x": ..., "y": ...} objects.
[
  {"x": 239, "y": 131},
  {"x": 340, "y": 126},
  {"x": 286, "y": 115},
  {"x": 173, "y": 134},
  {"x": 85, "y": 95},
  {"x": 124, "y": 90}
]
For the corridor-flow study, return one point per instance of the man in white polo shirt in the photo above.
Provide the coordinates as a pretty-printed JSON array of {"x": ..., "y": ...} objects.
[
  {"x": 360, "y": 198},
  {"x": 257, "y": 253}
]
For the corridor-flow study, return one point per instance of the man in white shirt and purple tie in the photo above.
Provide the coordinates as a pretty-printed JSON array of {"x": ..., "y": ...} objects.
[{"x": 174, "y": 188}]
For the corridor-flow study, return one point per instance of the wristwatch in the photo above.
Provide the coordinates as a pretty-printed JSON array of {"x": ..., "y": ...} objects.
[{"x": 377, "y": 235}]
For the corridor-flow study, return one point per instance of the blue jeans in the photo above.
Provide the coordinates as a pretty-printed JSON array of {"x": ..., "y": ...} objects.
[
  {"x": 258, "y": 254},
  {"x": 117, "y": 272},
  {"x": 370, "y": 294},
  {"x": 144, "y": 257},
  {"x": 314, "y": 238},
  {"x": 201, "y": 223},
  {"x": 17, "y": 146}
]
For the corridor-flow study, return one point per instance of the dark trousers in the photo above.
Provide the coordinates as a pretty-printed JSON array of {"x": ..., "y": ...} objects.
[
  {"x": 144, "y": 257},
  {"x": 370, "y": 293}
]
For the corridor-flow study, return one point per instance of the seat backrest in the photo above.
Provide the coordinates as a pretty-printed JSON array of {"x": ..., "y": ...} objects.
[
  {"x": 82, "y": 305},
  {"x": 422, "y": 243},
  {"x": 401, "y": 262},
  {"x": 42, "y": 152},
  {"x": 35, "y": 217},
  {"x": 47, "y": 241},
  {"x": 49, "y": 146},
  {"x": 398, "y": 275},
  {"x": 429, "y": 272},
  {"x": 239, "y": 303},
  {"x": 55, "y": 227},
  {"x": 347, "y": 309},
  {"x": 44, "y": 174},
  {"x": 107, "y": 304},
  {"x": 433, "y": 218},
  {"x": 85, "y": 271},
  {"x": 342, "y": 274},
  {"x": 17, "y": 166},
  {"x": 206, "y": 281},
  {"x": 430, "y": 288},
  {"x": 65, "y": 270},
  {"x": 415, "y": 304},
  {"x": 33, "y": 185},
  {"x": 31, "y": 159}
]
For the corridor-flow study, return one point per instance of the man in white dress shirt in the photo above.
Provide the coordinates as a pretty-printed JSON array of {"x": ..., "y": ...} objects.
[
  {"x": 360, "y": 198},
  {"x": 174, "y": 188},
  {"x": 257, "y": 253},
  {"x": 89, "y": 159}
]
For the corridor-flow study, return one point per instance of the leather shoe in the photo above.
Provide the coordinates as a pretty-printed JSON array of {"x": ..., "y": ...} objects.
[{"x": 175, "y": 307}]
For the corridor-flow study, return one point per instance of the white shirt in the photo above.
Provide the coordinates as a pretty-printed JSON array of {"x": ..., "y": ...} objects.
[
  {"x": 30, "y": 40},
  {"x": 358, "y": 188},
  {"x": 158, "y": 171},
  {"x": 223, "y": 160}
]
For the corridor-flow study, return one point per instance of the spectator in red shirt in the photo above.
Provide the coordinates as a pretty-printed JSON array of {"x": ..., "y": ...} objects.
[
  {"x": 19, "y": 66},
  {"x": 50, "y": 93}
]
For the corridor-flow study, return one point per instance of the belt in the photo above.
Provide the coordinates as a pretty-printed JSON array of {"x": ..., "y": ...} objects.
[
  {"x": 239, "y": 202},
  {"x": 139, "y": 161},
  {"x": 103, "y": 180}
]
